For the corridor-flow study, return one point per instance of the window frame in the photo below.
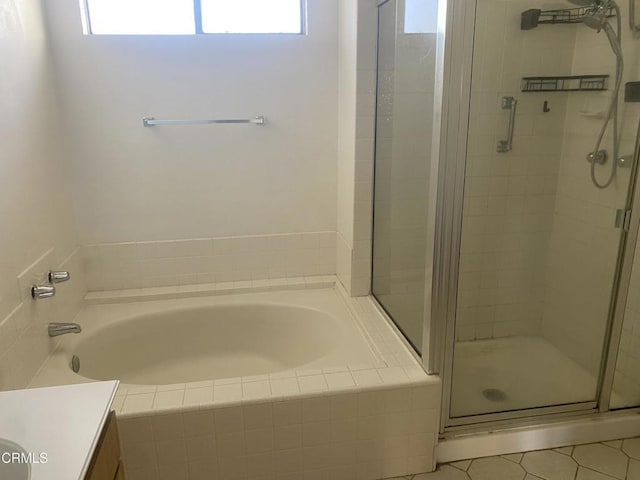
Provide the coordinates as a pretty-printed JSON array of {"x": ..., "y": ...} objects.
[{"x": 197, "y": 19}]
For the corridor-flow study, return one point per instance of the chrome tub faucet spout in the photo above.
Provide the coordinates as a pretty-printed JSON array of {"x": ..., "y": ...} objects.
[{"x": 56, "y": 329}]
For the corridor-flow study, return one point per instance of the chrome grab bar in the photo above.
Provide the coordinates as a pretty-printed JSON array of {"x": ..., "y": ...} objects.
[
  {"x": 508, "y": 103},
  {"x": 151, "y": 121}
]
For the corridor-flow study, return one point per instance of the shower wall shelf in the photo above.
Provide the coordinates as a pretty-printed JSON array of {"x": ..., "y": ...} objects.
[
  {"x": 570, "y": 83},
  {"x": 530, "y": 19}
]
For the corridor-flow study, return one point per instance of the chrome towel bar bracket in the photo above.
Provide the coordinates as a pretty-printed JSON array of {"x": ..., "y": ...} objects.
[{"x": 151, "y": 121}]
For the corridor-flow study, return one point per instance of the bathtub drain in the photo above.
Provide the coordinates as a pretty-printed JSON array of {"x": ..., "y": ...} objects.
[
  {"x": 75, "y": 363},
  {"x": 494, "y": 394}
]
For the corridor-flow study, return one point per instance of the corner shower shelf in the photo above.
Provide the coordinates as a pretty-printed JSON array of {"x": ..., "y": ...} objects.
[
  {"x": 533, "y": 17},
  {"x": 570, "y": 83}
]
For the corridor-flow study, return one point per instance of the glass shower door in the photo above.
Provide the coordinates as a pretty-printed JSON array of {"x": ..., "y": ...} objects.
[
  {"x": 407, "y": 39},
  {"x": 539, "y": 249}
]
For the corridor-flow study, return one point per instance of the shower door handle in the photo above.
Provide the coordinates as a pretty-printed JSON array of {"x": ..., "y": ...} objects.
[{"x": 511, "y": 104}]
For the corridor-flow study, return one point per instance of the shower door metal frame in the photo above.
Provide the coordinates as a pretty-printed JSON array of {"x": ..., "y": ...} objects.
[
  {"x": 450, "y": 196},
  {"x": 450, "y": 189},
  {"x": 624, "y": 267},
  {"x": 440, "y": 331}
]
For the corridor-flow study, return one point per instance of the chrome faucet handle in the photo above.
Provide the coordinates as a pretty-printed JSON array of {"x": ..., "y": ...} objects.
[
  {"x": 42, "y": 291},
  {"x": 58, "y": 276}
]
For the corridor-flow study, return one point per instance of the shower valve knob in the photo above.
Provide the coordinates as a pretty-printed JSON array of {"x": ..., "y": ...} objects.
[
  {"x": 625, "y": 161},
  {"x": 599, "y": 157},
  {"x": 58, "y": 276},
  {"x": 42, "y": 291}
]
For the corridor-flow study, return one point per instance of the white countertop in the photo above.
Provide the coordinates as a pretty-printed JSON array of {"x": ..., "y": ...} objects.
[{"x": 64, "y": 422}]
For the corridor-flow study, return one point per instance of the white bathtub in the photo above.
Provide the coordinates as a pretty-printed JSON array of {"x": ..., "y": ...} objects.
[
  {"x": 263, "y": 385},
  {"x": 211, "y": 338}
]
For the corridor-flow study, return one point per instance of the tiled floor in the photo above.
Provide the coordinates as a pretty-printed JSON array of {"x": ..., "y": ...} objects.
[{"x": 618, "y": 459}]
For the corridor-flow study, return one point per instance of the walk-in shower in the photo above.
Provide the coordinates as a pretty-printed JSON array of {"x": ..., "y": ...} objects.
[{"x": 531, "y": 311}]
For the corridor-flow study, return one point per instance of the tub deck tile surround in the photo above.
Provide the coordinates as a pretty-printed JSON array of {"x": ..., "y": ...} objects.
[
  {"x": 358, "y": 421},
  {"x": 208, "y": 289},
  {"x": 116, "y": 266}
]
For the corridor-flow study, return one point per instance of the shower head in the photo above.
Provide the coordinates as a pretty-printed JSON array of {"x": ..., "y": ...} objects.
[{"x": 597, "y": 12}]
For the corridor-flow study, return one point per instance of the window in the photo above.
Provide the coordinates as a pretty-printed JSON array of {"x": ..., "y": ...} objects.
[
  {"x": 184, "y": 17},
  {"x": 421, "y": 16}
]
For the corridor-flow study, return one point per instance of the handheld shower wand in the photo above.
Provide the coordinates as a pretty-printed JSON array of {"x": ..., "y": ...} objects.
[{"x": 596, "y": 18}]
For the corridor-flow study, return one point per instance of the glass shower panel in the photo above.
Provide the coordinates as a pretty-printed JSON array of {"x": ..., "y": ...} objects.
[
  {"x": 405, "y": 97},
  {"x": 539, "y": 247}
]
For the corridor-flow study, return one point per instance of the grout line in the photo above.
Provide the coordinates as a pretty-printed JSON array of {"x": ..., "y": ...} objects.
[{"x": 626, "y": 472}]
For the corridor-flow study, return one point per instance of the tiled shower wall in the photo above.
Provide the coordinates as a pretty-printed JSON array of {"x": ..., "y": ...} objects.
[
  {"x": 35, "y": 221},
  {"x": 509, "y": 197},
  {"x": 539, "y": 247},
  {"x": 584, "y": 244}
]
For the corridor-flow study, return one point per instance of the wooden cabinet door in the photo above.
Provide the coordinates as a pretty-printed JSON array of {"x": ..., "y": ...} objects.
[
  {"x": 120, "y": 472},
  {"x": 106, "y": 458}
]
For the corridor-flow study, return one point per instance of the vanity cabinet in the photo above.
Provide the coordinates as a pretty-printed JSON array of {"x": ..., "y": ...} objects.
[
  {"x": 106, "y": 463},
  {"x": 120, "y": 472}
]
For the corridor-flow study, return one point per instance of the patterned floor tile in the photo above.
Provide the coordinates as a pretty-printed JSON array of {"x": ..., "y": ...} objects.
[
  {"x": 631, "y": 446},
  {"x": 602, "y": 458},
  {"x": 564, "y": 450},
  {"x": 492, "y": 468},
  {"x": 613, "y": 444},
  {"x": 633, "y": 472},
  {"x": 597, "y": 461},
  {"x": 588, "y": 474},
  {"x": 462, "y": 464},
  {"x": 514, "y": 457},
  {"x": 550, "y": 465},
  {"x": 444, "y": 472}
]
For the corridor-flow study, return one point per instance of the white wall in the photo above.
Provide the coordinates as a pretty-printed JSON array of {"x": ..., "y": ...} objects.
[
  {"x": 35, "y": 221},
  {"x": 165, "y": 183}
]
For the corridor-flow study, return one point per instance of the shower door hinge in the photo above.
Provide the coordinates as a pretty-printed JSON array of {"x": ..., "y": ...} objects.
[{"x": 623, "y": 219}]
